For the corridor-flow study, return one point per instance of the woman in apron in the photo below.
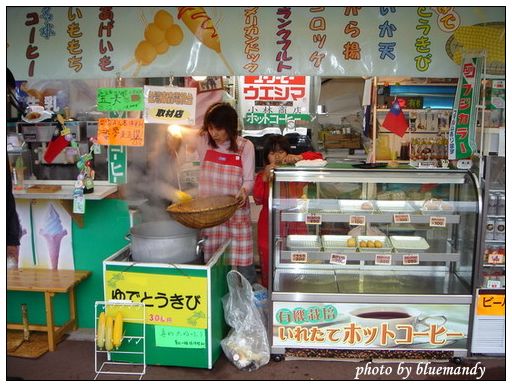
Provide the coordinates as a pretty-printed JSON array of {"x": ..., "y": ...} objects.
[{"x": 227, "y": 168}]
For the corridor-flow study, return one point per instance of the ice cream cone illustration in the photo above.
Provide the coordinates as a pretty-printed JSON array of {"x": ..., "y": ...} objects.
[{"x": 53, "y": 232}]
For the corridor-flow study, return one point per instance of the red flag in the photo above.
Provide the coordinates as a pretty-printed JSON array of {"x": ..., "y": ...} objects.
[
  {"x": 395, "y": 120},
  {"x": 57, "y": 143}
]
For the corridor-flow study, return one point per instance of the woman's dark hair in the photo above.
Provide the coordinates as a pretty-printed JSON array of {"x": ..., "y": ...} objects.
[
  {"x": 275, "y": 143},
  {"x": 223, "y": 116}
]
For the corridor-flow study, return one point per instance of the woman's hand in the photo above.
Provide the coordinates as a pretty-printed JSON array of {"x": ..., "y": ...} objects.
[{"x": 241, "y": 197}]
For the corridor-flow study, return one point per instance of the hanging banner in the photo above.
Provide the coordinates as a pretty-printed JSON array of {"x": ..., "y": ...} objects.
[
  {"x": 130, "y": 42},
  {"x": 270, "y": 100},
  {"x": 461, "y": 137},
  {"x": 170, "y": 105},
  {"x": 117, "y": 164},
  {"x": 121, "y": 131}
]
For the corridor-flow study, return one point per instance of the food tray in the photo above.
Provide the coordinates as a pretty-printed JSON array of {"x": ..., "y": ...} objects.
[
  {"x": 396, "y": 206},
  {"x": 42, "y": 188},
  {"x": 322, "y": 205},
  {"x": 355, "y": 206},
  {"x": 387, "y": 247},
  {"x": 406, "y": 243},
  {"x": 337, "y": 243},
  {"x": 303, "y": 242},
  {"x": 436, "y": 207}
]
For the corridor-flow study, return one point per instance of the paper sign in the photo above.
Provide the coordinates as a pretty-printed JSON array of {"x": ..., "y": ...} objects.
[
  {"x": 117, "y": 164},
  {"x": 490, "y": 305},
  {"x": 338, "y": 259},
  {"x": 177, "y": 337},
  {"x": 401, "y": 218},
  {"x": 121, "y": 131},
  {"x": 411, "y": 259},
  {"x": 437, "y": 221},
  {"x": 383, "y": 259},
  {"x": 313, "y": 219},
  {"x": 299, "y": 257},
  {"x": 496, "y": 259},
  {"x": 170, "y": 105},
  {"x": 357, "y": 220},
  {"x": 126, "y": 99}
]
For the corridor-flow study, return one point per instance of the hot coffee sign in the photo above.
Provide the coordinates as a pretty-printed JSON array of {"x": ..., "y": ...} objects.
[{"x": 363, "y": 326}]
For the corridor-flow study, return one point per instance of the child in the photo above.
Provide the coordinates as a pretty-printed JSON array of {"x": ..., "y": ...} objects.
[{"x": 276, "y": 152}]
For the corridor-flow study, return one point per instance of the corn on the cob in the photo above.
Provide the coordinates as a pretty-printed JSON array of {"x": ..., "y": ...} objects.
[
  {"x": 100, "y": 334},
  {"x": 109, "y": 328},
  {"x": 479, "y": 38},
  {"x": 117, "y": 337}
]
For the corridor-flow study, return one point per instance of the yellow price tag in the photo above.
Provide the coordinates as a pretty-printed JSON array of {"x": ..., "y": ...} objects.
[{"x": 490, "y": 305}]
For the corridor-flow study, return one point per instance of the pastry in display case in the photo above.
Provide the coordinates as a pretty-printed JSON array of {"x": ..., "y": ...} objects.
[{"x": 398, "y": 243}]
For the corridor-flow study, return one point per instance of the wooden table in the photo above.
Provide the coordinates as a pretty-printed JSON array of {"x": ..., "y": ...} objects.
[{"x": 48, "y": 282}]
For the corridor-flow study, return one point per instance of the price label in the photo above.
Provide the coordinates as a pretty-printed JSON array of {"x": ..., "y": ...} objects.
[
  {"x": 493, "y": 284},
  {"x": 96, "y": 149},
  {"x": 411, "y": 259},
  {"x": 437, "y": 221},
  {"x": 357, "y": 220},
  {"x": 299, "y": 257},
  {"x": 338, "y": 259},
  {"x": 401, "y": 218},
  {"x": 496, "y": 258},
  {"x": 383, "y": 259},
  {"x": 313, "y": 219}
]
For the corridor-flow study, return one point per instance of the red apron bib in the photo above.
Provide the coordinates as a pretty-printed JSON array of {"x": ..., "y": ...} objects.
[{"x": 222, "y": 174}]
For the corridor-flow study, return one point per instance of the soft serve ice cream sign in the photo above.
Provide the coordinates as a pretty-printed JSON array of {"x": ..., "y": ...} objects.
[{"x": 51, "y": 230}]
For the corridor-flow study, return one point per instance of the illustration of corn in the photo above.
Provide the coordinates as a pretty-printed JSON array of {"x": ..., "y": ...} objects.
[{"x": 488, "y": 39}]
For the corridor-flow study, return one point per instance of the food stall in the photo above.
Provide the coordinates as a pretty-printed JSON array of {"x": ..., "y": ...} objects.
[
  {"x": 385, "y": 266},
  {"x": 116, "y": 59}
]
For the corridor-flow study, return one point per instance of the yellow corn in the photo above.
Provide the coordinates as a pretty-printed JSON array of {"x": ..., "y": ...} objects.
[
  {"x": 109, "y": 327},
  {"x": 479, "y": 38},
  {"x": 183, "y": 197},
  {"x": 117, "y": 337},
  {"x": 100, "y": 334}
]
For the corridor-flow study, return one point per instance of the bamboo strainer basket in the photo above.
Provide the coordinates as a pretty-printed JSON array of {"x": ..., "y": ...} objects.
[{"x": 204, "y": 212}]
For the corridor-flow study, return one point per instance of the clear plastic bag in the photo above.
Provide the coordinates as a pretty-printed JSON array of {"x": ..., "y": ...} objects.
[{"x": 246, "y": 344}]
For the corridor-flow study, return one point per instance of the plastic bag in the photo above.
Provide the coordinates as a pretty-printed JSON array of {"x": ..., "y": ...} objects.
[
  {"x": 261, "y": 301},
  {"x": 246, "y": 344}
]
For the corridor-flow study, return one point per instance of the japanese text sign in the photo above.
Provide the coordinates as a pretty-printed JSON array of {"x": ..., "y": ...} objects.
[
  {"x": 461, "y": 144},
  {"x": 117, "y": 164},
  {"x": 114, "y": 99},
  {"x": 170, "y": 105},
  {"x": 121, "y": 131},
  {"x": 490, "y": 305},
  {"x": 170, "y": 300},
  {"x": 175, "y": 337}
]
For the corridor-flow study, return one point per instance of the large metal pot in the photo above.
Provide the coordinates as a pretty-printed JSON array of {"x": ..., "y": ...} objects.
[{"x": 164, "y": 242}]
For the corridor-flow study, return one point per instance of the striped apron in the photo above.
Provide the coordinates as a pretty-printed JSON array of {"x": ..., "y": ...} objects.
[{"x": 222, "y": 174}]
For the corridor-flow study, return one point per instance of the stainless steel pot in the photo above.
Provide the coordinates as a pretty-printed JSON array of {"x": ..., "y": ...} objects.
[{"x": 164, "y": 242}]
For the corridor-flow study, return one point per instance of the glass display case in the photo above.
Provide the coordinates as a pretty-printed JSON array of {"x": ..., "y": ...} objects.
[{"x": 372, "y": 258}]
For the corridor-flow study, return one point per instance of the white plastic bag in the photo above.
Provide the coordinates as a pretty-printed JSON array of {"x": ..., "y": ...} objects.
[{"x": 246, "y": 344}]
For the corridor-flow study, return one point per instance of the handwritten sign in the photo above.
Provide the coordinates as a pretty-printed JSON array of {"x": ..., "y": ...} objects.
[
  {"x": 338, "y": 259},
  {"x": 490, "y": 305},
  {"x": 176, "y": 337},
  {"x": 114, "y": 99},
  {"x": 121, "y": 131},
  {"x": 170, "y": 105}
]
